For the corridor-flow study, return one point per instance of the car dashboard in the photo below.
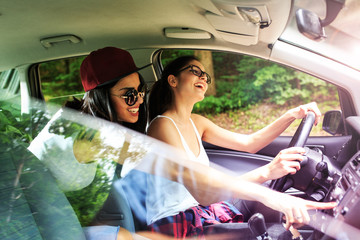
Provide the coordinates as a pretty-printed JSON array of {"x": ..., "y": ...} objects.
[
  {"x": 342, "y": 184},
  {"x": 347, "y": 193},
  {"x": 346, "y": 190},
  {"x": 343, "y": 221}
]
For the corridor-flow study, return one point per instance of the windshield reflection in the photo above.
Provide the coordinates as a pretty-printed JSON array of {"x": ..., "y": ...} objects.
[{"x": 81, "y": 174}]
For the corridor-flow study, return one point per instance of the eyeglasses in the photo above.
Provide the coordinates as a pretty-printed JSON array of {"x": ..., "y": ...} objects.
[
  {"x": 132, "y": 95},
  {"x": 197, "y": 72}
]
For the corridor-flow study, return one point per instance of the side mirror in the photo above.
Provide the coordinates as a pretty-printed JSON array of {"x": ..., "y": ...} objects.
[{"x": 332, "y": 122}]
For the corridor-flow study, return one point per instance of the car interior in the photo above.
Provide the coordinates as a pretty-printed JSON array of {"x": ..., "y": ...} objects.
[{"x": 314, "y": 37}]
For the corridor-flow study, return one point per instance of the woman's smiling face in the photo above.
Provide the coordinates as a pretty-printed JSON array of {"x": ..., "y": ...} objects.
[
  {"x": 189, "y": 82},
  {"x": 126, "y": 113}
]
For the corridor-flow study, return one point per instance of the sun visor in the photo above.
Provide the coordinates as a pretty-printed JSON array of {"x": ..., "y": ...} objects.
[{"x": 239, "y": 24}]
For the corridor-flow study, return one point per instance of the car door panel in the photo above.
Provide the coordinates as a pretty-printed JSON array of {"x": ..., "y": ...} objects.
[{"x": 237, "y": 162}]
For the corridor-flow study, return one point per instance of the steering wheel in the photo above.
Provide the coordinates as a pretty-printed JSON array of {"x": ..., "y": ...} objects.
[{"x": 298, "y": 140}]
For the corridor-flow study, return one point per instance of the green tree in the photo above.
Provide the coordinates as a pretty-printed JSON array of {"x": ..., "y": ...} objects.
[
  {"x": 20, "y": 129},
  {"x": 284, "y": 85},
  {"x": 206, "y": 59},
  {"x": 169, "y": 55},
  {"x": 60, "y": 79}
]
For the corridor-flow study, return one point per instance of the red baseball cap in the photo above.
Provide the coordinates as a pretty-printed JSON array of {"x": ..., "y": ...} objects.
[{"x": 105, "y": 66}]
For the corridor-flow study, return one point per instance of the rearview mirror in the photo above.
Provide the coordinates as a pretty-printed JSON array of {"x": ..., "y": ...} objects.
[
  {"x": 310, "y": 25},
  {"x": 332, "y": 122}
]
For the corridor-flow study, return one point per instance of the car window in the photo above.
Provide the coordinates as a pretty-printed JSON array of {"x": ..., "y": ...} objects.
[
  {"x": 60, "y": 80},
  {"x": 247, "y": 93}
]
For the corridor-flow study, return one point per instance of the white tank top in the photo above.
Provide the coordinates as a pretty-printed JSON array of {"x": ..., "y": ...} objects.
[
  {"x": 167, "y": 198},
  {"x": 202, "y": 157}
]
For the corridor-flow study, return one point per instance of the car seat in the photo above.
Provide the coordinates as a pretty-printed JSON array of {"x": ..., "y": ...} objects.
[{"x": 125, "y": 205}]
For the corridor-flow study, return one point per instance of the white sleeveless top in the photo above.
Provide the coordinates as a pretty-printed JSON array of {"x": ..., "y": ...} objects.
[
  {"x": 168, "y": 198},
  {"x": 202, "y": 157}
]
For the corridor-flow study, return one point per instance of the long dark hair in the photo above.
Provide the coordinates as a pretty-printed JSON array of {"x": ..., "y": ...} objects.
[
  {"x": 161, "y": 95},
  {"x": 97, "y": 102}
]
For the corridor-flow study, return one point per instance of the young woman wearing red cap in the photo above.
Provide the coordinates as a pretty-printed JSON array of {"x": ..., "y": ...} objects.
[
  {"x": 114, "y": 89},
  {"x": 183, "y": 83}
]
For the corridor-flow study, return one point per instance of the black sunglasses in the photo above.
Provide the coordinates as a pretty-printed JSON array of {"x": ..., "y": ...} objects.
[
  {"x": 132, "y": 95},
  {"x": 197, "y": 72}
]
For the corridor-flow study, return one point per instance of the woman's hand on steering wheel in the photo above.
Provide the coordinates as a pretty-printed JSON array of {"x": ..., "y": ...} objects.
[
  {"x": 286, "y": 162},
  {"x": 302, "y": 110}
]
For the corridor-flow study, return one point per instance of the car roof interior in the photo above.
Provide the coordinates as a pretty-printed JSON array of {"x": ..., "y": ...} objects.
[
  {"x": 66, "y": 28},
  {"x": 44, "y": 32}
]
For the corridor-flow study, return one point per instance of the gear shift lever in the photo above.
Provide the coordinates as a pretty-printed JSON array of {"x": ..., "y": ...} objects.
[{"x": 257, "y": 226}]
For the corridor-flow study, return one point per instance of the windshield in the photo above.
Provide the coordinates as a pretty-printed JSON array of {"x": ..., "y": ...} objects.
[{"x": 342, "y": 41}]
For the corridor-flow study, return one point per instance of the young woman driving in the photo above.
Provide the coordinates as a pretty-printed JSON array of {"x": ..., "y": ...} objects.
[{"x": 183, "y": 83}]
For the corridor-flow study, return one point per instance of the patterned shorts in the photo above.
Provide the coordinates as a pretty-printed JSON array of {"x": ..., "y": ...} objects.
[{"x": 191, "y": 222}]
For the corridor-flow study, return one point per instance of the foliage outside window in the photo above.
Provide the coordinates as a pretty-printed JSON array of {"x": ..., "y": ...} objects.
[{"x": 60, "y": 80}]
